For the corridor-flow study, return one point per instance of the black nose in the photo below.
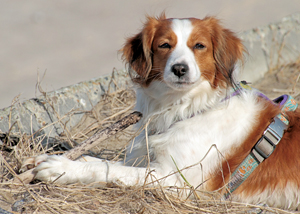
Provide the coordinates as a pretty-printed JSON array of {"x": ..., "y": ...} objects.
[{"x": 180, "y": 69}]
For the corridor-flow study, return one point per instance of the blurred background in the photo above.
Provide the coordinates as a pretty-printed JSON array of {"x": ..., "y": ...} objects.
[{"x": 72, "y": 41}]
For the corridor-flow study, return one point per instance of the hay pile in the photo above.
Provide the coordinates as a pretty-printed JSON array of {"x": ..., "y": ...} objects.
[{"x": 107, "y": 197}]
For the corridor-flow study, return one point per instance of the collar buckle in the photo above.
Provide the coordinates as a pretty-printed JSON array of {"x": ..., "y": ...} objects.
[
  {"x": 263, "y": 148},
  {"x": 267, "y": 143}
]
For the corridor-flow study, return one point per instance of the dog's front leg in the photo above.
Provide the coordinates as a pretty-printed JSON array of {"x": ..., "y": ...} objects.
[{"x": 64, "y": 171}]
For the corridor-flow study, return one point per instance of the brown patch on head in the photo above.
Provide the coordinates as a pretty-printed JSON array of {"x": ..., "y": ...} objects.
[
  {"x": 164, "y": 36},
  {"x": 138, "y": 53},
  {"x": 224, "y": 49}
]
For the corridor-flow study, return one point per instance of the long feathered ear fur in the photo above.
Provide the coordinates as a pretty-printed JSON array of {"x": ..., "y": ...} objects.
[
  {"x": 227, "y": 50},
  {"x": 137, "y": 51}
]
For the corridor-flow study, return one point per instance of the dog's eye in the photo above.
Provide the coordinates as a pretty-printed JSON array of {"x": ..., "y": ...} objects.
[
  {"x": 199, "y": 46},
  {"x": 165, "y": 45}
]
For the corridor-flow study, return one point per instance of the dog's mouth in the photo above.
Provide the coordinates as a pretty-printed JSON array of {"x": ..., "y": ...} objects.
[
  {"x": 184, "y": 83},
  {"x": 181, "y": 85}
]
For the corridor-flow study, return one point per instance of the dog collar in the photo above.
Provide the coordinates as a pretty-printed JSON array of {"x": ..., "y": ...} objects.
[{"x": 266, "y": 144}]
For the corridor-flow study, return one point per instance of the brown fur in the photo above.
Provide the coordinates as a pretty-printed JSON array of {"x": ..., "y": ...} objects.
[
  {"x": 137, "y": 51},
  {"x": 225, "y": 48}
]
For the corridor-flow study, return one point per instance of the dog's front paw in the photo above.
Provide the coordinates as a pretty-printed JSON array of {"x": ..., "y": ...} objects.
[
  {"x": 61, "y": 170},
  {"x": 32, "y": 162},
  {"x": 54, "y": 168}
]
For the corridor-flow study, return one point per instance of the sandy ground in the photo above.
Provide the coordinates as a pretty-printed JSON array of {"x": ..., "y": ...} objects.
[{"x": 78, "y": 40}]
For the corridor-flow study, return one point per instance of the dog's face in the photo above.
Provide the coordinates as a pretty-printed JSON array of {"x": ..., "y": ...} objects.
[{"x": 183, "y": 52}]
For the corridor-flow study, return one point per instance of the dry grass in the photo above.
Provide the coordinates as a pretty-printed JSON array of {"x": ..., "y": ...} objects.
[{"x": 108, "y": 197}]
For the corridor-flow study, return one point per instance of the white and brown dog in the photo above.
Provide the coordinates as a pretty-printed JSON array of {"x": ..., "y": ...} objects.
[{"x": 185, "y": 69}]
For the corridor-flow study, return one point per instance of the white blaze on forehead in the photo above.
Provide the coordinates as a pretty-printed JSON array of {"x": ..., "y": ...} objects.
[
  {"x": 182, "y": 54},
  {"x": 183, "y": 29}
]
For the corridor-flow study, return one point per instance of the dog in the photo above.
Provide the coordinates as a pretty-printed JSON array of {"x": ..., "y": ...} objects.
[{"x": 200, "y": 123}]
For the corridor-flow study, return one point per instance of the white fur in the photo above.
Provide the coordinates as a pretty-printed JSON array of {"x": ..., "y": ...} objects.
[
  {"x": 182, "y": 124},
  {"x": 187, "y": 139},
  {"x": 284, "y": 198}
]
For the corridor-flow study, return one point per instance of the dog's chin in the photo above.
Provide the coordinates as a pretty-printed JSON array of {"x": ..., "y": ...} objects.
[{"x": 181, "y": 85}]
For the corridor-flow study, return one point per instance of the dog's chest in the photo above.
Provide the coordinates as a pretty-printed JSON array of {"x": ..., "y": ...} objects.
[{"x": 206, "y": 137}]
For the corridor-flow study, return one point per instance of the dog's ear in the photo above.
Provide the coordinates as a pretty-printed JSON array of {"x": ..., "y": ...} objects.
[
  {"x": 227, "y": 50},
  {"x": 137, "y": 51}
]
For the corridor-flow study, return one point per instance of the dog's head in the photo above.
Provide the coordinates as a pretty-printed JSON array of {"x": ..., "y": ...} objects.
[{"x": 183, "y": 52}]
